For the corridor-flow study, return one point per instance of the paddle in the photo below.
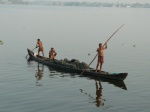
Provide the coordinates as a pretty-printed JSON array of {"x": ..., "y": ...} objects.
[
  {"x": 28, "y": 54},
  {"x": 103, "y": 46}
]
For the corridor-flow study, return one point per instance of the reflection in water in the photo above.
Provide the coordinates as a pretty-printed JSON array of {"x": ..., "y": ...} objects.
[
  {"x": 97, "y": 100},
  {"x": 39, "y": 71},
  {"x": 119, "y": 84},
  {"x": 98, "y": 93},
  {"x": 53, "y": 73},
  {"x": 39, "y": 75},
  {"x": 56, "y": 72}
]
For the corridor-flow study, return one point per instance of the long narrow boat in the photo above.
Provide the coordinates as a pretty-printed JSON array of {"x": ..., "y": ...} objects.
[{"x": 90, "y": 72}]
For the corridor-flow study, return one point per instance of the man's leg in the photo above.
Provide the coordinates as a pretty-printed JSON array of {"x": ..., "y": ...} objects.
[
  {"x": 101, "y": 66},
  {"x": 38, "y": 53},
  {"x": 97, "y": 66}
]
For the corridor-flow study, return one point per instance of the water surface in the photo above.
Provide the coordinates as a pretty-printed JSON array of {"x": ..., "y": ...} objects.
[{"x": 74, "y": 32}]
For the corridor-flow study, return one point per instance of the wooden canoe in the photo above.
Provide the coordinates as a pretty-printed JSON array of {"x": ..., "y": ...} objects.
[{"x": 88, "y": 72}]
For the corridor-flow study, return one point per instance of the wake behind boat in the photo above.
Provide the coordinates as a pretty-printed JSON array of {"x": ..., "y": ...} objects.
[{"x": 74, "y": 66}]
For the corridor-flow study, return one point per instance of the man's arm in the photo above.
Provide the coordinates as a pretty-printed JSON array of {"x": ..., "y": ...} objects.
[
  {"x": 55, "y": 53},
  {"x": 97, "y": 49},
  {"x": 106, "y": 46},
  {"x": 37, "y": 44}
]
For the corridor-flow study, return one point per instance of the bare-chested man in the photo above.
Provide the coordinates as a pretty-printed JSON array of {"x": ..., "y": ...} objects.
[
  {"x": 52, "y": 53},
  {"x": 100, "y": 56},
  {"x": 40, "y": 45}
]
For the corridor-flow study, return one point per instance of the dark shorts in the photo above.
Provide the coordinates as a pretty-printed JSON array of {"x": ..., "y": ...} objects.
[{"x": 101, "y": 59}]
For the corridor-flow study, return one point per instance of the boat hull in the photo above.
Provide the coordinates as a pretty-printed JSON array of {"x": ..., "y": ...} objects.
[{"x": 87, "y": 72}]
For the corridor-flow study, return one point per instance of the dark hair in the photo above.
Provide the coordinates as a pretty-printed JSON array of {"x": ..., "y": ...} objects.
[
  {"x": 38, "y": 39},
  {"x": 100, "y": 44}
]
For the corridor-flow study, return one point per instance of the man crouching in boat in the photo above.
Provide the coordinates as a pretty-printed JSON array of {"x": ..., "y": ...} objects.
[
  {"x": 40, "y": 45},
  {"x": 52, "y": 53},
  {"x": 100, "y": 56}
]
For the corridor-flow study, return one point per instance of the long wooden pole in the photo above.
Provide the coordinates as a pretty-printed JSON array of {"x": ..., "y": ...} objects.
[{"x": 103, "y": 46}]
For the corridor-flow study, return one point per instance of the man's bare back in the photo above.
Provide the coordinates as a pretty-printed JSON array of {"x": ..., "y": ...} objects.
[{"x": 40, "y": 45}]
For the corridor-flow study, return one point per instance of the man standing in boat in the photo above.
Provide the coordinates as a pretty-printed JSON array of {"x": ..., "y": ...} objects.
[
  {"x": 100, "y": 56},
  {"x": 40, "y": 45}
]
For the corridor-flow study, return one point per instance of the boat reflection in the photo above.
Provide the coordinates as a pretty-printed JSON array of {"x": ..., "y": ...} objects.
[
  {"x": 119, "y": 84},
  {"x": 39, "y": 73},
  {"x": 98, "y": 100}
]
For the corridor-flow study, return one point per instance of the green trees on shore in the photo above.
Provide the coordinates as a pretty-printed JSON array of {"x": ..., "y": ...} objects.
[{"x": 76, "y": 3}]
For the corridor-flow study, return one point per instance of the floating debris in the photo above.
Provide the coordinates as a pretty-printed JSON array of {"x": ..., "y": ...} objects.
[
  {"x": 134, "y": 45},
  {"x": 1, "y": 42}
]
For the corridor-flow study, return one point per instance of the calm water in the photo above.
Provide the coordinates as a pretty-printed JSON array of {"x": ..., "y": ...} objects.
[{"x": 74, "y": 32}]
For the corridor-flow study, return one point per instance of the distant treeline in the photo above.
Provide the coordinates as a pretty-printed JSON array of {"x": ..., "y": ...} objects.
[{"x": 85, "y": 4}]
